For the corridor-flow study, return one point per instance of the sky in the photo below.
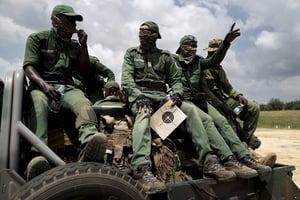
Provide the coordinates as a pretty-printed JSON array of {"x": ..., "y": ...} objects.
[{"x": 262, "y": 63}]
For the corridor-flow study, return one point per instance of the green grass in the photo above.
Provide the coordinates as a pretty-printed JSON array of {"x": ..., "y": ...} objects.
[{"x": 280, "y": 119}]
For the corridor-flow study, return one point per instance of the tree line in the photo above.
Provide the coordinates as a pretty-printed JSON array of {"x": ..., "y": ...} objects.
[{"x": 277, "y": 104}]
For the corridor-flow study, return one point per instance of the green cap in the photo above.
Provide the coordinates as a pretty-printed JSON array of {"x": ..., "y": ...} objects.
[
  {"x": 152, "y": 26},
  {"x": 66, "y": 10},
  {"x": 213, "y": 45},
  {"x": 111, "y": 84},
  {"x": 186, "y": 39},
  {"x": 93, "y": 60}
]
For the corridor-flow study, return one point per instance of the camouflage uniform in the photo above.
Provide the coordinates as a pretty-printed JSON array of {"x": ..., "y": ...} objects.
[
  {"x": 116, "y": 127},
  {"x": 92, "y": 82},
  {"x": 193, "y": 70},
  {"x": 219, "y": 128},
  {"x": 222, "y": 137},
  {"x": 217, "y": 81},
  {"x": 54, "y": 60},
  {"x": 110, "y": 100},
  {"x": 147, "y": 73}
]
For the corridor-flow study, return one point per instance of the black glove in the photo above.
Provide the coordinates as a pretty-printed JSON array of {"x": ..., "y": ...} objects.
[
  {"x": 143, "y": 104},
  {"x": 177, "y": 99},
  {"x": 227, "y": 110}
]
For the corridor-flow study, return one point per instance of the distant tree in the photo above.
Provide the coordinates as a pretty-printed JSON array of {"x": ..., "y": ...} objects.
[
  {"x": 292, "y": 105},
  {"x": 275, "y": 104},
  {"x": 263, "y": 107}
]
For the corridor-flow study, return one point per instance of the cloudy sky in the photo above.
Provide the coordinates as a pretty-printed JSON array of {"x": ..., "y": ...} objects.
[{"x": 263, "y": 63}]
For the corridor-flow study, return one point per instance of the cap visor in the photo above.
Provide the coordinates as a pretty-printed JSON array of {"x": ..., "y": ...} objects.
[
  {"x": 78, "y": 17},
  {"x": 159, "y": 37},
  {"x": 210, "y": 49}
]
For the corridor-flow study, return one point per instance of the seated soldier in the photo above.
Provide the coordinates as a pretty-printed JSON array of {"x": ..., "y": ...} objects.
[
  {"x": 116, "y": 123},
  {"x": 50, "y": 57},
  {"x": 225, "y": 98},
  {"x": 232, "y": 152},
  {"x": 92, "y": 81}
]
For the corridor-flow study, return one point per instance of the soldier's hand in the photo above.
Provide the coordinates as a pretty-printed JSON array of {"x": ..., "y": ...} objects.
[
  {"x": 176, "y": 98},
  {"x": 227, "y": 110},
  {"x": 50, "y": 91},
  {"x": 143, "y": 104},
  {"x": 82, "y": 37},
  {"x": 232, "y": 34},
  {"x": 242, "y": 100}
]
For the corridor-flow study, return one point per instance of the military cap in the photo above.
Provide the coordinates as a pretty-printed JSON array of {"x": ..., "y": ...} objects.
[
  {"x": 213, "y": 44},
  {"x": 66, "y": 10},
  {"x": 186, "y": 39},
  {"x": 93, "y": 59},
  {"x": 152, "y": 26},
  {"x": 111, "y": 84}
]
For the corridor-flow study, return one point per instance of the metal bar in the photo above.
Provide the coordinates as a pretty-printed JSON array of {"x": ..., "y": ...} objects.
[
  {"x": 5, "y": 119},
  {"x": 14, "y": 153},
  {"x": 39, "y": 145}
]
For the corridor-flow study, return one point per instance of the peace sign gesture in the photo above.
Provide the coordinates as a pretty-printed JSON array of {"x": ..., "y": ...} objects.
[{"x": 232, "y": 34}]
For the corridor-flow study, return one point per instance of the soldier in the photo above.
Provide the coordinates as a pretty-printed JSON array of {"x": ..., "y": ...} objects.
[
  {"x": 111, "y": 91},
  {"x": 50, "y": 57},
  {"x": 116, "y": 123},
  {"x": 225, "y": 98},
  {"x": 232, "y": 152},
  {"x": 92, "y": 81},
  {"x": 145, "y": 72}
]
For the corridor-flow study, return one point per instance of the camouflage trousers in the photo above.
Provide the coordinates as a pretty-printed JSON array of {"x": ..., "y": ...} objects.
[
  {"x": 249, "y": 116},
  {"x": 74, "y": 100},
  {"x": 227, "y": 132},
  {"x": 203, "y": 133}
]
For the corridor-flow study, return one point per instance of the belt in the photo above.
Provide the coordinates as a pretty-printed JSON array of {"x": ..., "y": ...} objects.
[{"x": 157, "y": 88}]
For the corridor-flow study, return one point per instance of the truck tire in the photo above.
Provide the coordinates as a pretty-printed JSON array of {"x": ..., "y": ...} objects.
[{"x": 81, "y": 181}]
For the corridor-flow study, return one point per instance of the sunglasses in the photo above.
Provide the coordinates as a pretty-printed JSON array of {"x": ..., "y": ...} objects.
[{"x": 146, "y": 32}]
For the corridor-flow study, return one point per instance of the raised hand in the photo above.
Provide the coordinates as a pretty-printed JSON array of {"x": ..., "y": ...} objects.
[{"x": 232, "y": 34}]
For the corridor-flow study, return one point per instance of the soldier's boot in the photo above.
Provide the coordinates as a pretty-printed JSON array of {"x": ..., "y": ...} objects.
[
  {"x": 241, "y": 171},
  {"x": 212, "y": 168},
  {"x": 149, "y": 182},
  {"x": 269, "y": 159},
  {"x": 252, "y": 163},
  {"x": 95, "y": 149},
  {"x": 36, "y": 166}
]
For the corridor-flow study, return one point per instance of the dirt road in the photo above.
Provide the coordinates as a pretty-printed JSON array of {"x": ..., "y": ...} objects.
[{"x": 285, "y": 143}]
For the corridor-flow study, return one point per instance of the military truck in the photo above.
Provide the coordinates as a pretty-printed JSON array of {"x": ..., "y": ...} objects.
[{"x": 87, "y": 180}]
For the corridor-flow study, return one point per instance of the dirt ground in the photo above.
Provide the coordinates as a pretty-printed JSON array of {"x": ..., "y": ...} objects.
[{"x": 285, "y": 143}]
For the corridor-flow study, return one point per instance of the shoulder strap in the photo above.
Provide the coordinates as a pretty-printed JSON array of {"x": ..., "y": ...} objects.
[{"x": 189, "y": 82}]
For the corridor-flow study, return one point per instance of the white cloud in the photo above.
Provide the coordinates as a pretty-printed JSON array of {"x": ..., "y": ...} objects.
[
  {"x": 6, "y": 66},
  {"x": 12, "y": 33},
  {"x": 257, "y": 57},
  {"x": 268, "y": 40}
]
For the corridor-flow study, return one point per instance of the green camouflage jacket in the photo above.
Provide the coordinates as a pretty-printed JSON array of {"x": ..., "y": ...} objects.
[{"x": 148, "y": 73}]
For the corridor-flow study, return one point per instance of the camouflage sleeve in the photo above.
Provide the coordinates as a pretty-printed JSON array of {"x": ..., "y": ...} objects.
[
  {"x": 32, "y": 51},
  {"x": 174, "y": 74},
  {"x": 215, "y": 59},
  {"x": 215, "y": 101},
  {"x": 226, "y": 86},
  {"x": 127, "y": 77},
  {"x": 104, "y": 71}
]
